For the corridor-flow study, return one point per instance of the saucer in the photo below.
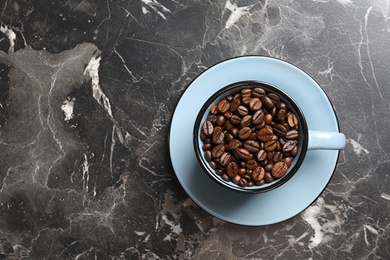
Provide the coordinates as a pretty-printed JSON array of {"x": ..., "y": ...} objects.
[{"x": 273, "y": 206}]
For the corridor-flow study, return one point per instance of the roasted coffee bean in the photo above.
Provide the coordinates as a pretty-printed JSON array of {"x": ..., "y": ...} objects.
[
  {"x": 225, "y": 177},
  {"x": 267, "y": 102},
  {"x": 202, "y": 136},
  {"x": 268, "y": 177},
  {"x": 241, "y": 171},
  {"x": 207, "y": 155},
  {"x": 232, "y": 169},
  {"x": 274, "y": 98},
  {"x": 279, "y": 169},
  {"x": 265, "y": 134},
  {"x": 281, "y": 105},
  {"x": 223, "y": 106},
  {"x": 268, "y": 119},
  {"x": 258, "y": 92},
  {"x": 270, "y": 155},
  {"x": 242, "y": 163},
  {"x": 212, "y": 118},
  {"x": 246, "y": 121},
  {"x": 218, "y": 151},
  {"x": 255, "y": 104},
  {"x": 214, "y": 110},
  {"x": 252, "y": 146},
  {"x": 235, "y": 120},
  {"x": 219, "y": 171},
  {"x": 228, "y": 115},
  {"x": 213, "y": 165},
  {"x": 220, "y": 120},
  {"x": 206, "y": 147},
  {"x": 294, "y": 151},
  {"x": 228, "y": 137},
  {"x": 270, "y": 146},
  {"x": 244, "y": 133},
  {"x": 272, "y": 112},
  {"x": 292, "y": 134},
  {"x": 228, "y": 125},
  {"x": 292, "y": 120},
  {"x": 278, "y": 146},
  {"x": 247, "y": 176},
  {"x": 288, "y": 161},
  {"x": 258, "y": 174},
  {"x": 234, "y": 132},
  {"x": 225, "y": 159},
  {"x": 229, "y": 98},
  {"x": 278, "y": 156},
  {"x": 253, "y": 137},
  {"x": 218, "y": 137},
  {"x": 274, "y": 138},
  {"x": 207, "y": 128},
  {"x": 242, "y": 111},
  {"x": 258, "y": 117},
  {"x": 260, "y": 182},
  {"x": 268, "y": 167},
  {"x": 281, "y": 115},
  {"x": 233, "y": 144},
  {"x": 242, "y": 182},
  {"x": 282, "y": 141},
  {"x": 289, "y": 146},
  {"x": 236, "y": 179},
  {"x": 245, "y": 100},
  {"x": 251, "y": 164},
  {"x": 261, "y": 155},
  {"x": 246, "y": 92},
  {"x": 244, "y": 154},
  {"x": 250, "y": 184},
  {"x": 234, "y": 105}
]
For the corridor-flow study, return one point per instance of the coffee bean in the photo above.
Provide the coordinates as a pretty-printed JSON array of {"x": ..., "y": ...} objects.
[
  {"x": 207, "y": 155},
  {"x": 281, "y": 115},
  {"x": 292, "y": 120},
  {"x": 234, "y": 132},
  {"x": 270, "y": 146},
  {"x": 250, "y": 184},
  {"x": 218, "y": 151},
  {"x": 268, "y": 119},
  {"x": 259, "y": 183},
  {"x": 214, "y": 110},
  {"x": 228, "y": 137},
  {"x": 245, "y": 100},
  {"x": 289, "y": 146},
  {"x": 278, "y": 156},
  {"x": 279, "y": 169},
  {"x": 258, "y": 92},
  {"x": 241, "y": 171},
  {"x": 258, "y": 174},
  {"x": 228, "y": 115},
  {"x": 288, "y": 161},
  {"x": 234, "y": 105},
  {"x": 281, "y": 105},
  {"x": 242, "y": 182},
  {"x": 207, "y": 128},
  {"x": 218, "y": 137},
  {"x": 223, "y": 106},
  {"x": 251, "y": 164},
  {"x": 212, "y": 118},
  {"x": 270, "y": 156},
  {"x": 228, "y": 125},
  {"x": 233, "y": 144},
  {"x": 268, "y": 167},
  {"x": 274, "y": 98},
  {"x": 244, "y": 154},
  {"x": 242, "y": 111},
  {"x": 225, "y": 177},
  {"x": 253, "y": 137},
  {"x": 235, "y": 119},
  {"x": 292, "y": 134},
  {"x": 252, "y": 146},
  {"x": 213, "y": 165},
  {"x": 244, "y": 133},
  {"x": 267, "y": 102},
  {"x": 236, "y": 179},
  {"x": 268, "y": 177},
  {"x": 246, "y": 92},
  {"x": 255, "y": 104},
  {"x": 225, "y": 159},
  {"x": 265, "y": 134},
  {"x": 279, "y": 130},
  {"x": 294, "y": 151},
  {"x": 220, "y": 120},
  {"x": 206, "y": 147},
  {"x": 258, "y": 117},
  {"x": 246, "y": 121},
  {"x": 232, "y": 169},
  {"x": 261, "y": 155}
]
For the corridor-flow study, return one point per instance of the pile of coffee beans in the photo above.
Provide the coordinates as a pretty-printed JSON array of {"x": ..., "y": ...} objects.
[{"x": 250, "y": 137}]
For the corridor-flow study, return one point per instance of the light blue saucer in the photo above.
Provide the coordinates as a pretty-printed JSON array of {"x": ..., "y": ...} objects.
[{"x": 287, "y": 200}]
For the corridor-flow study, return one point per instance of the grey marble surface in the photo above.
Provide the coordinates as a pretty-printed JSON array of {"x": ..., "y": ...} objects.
[{"x": 87, "y": 92}]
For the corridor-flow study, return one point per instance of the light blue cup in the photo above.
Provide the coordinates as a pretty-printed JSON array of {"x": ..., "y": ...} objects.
[{"x": 308, "y": 139}]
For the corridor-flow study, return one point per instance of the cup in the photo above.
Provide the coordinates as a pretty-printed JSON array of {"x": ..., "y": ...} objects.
[{"x": 308, "y": 139}]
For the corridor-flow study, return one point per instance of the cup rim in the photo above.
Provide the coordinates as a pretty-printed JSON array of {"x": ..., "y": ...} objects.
[{"x": 270, "y": 88}]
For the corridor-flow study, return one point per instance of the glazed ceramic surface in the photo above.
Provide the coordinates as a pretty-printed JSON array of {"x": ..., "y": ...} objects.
[{"x": 253, "y": 209}]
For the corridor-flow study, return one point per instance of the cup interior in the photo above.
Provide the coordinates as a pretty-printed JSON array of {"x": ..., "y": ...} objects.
[{"x": 235, "y": 88}]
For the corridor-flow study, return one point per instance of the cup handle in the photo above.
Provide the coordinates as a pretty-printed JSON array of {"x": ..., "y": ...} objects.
[{"x": 320, "y": 140}]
